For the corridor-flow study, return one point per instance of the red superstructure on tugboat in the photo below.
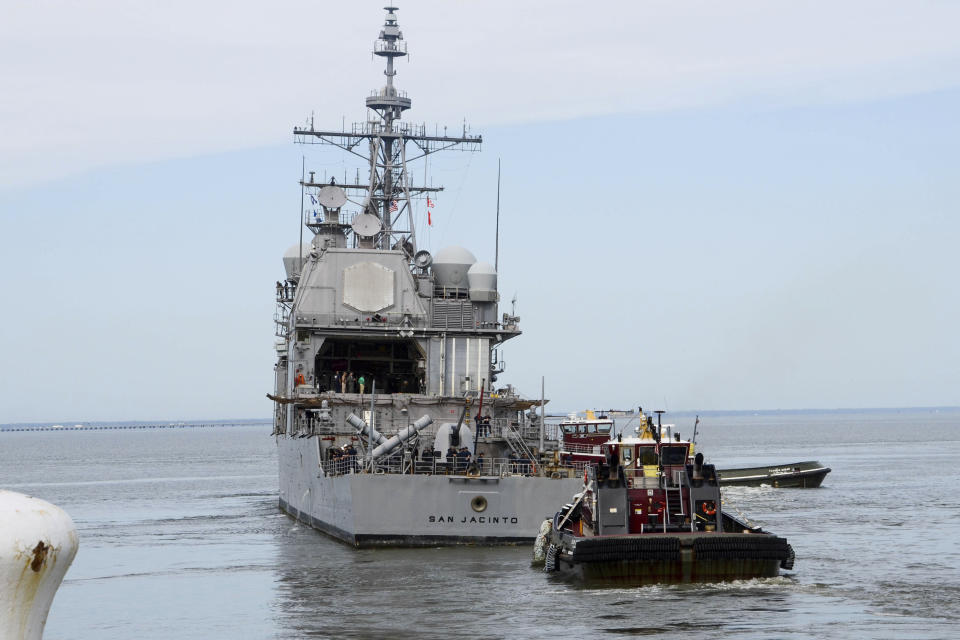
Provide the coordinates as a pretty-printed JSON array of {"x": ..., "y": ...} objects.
[{"x": 650, "y": 511}]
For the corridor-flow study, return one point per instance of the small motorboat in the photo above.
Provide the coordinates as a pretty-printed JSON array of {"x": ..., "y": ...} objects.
[{"x": 803, "y": 475}]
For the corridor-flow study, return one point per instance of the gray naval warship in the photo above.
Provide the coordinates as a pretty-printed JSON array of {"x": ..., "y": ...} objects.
[{"x": 389, "y": 426}]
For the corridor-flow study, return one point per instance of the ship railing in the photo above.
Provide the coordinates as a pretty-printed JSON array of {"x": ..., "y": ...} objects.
[
  {"x": 385, "y": 46},
  {"x": 313, "y": 217},
  {"x": 575, "y": 447},
  {"x": 286, "y": 291},
  {"x": 461, "y": 293},
  {"x": 507, "y": 428},
  {"x": 496, "y": 467},
  {"x": 403, "y": 128},
  {"x": 342, "y": 466}
]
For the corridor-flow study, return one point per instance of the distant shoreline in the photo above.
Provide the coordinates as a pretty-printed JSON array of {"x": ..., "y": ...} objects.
[
  {"x": 782, "y": 412},
  {"x": 74, "y": 425},
  {"x": 71, "y": 425}
]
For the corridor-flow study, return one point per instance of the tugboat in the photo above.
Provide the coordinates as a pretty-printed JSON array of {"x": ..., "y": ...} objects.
[{"x": 650, "y": 511}]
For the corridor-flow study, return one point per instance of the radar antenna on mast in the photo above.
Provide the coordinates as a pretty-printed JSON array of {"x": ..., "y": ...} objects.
[{"x": 389, "y": 194}]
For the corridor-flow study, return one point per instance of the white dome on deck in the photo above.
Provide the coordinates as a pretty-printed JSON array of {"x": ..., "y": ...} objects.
[
  {"x": 450, "y": 266},
  {"x": 291, "y": 260}
]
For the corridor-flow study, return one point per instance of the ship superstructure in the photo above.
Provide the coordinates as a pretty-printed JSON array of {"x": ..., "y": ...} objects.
[{"x": 389, "y": 424}]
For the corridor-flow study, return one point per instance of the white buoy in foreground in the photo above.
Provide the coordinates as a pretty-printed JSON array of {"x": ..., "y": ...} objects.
[{"x": 37, "y": 544}]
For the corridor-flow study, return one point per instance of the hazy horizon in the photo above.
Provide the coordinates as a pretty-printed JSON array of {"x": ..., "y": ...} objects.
[{"x": 550, "y": 414}]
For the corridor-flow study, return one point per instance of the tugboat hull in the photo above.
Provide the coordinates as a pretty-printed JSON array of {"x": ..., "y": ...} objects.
[{"x": 667, "y": 558}]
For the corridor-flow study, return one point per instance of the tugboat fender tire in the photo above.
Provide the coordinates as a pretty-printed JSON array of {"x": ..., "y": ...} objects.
[
  {"x": 540, "y": 544},
  {"x": 787, "y": 563},
  {"x": 550, "y": 561}
]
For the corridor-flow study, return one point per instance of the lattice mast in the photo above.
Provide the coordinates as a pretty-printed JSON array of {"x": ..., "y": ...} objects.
[{"x": 389, "y": 193}]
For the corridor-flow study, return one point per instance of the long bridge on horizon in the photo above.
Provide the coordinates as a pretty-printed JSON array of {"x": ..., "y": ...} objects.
[{"x": 128, "y": 426}]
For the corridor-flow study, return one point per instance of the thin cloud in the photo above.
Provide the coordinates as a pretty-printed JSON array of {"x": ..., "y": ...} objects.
[{"x": 113, "y": 82}]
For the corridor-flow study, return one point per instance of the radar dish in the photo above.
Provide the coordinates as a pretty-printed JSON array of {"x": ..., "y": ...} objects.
[
  {"x": 332, "y": 197},
  {"x": 423, "y": 259},
  {"x": 366, "y": 224}
]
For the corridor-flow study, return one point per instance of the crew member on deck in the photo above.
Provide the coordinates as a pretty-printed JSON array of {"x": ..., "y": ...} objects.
[{"x": 463, "y": 458}]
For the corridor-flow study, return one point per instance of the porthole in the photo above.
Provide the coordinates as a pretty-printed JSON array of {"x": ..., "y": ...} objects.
[{"x": 478, "y": 504}]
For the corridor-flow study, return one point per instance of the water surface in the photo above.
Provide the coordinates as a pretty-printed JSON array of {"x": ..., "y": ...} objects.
[{"x": 180, "y": 537}]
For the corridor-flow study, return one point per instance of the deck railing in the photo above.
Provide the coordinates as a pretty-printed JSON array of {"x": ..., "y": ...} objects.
[{"x": 493, "y": 467}]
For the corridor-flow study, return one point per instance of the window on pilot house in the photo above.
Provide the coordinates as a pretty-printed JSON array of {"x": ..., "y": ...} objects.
[
  {"x": 647, "y": 455},
  {"x": 674, "y": 455}
]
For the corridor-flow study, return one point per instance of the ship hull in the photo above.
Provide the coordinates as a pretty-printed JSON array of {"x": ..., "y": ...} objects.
[{"x": 393, "y": 510}]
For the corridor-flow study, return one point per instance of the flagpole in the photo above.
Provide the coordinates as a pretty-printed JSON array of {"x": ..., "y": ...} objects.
[
  {"x": 543, "y": 416},
  {"x": 303, "y": 175},
  {"x": 496, "y": 255}
]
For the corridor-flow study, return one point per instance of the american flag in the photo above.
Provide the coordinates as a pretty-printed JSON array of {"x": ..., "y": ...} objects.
[
  {"x": 394, "y": 206},
  {"x": 429, "y": 202}
]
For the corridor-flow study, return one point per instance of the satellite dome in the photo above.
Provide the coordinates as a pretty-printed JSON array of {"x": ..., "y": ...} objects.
[
  {"x": 291, "y": 260},
  {"x": 482, "y": 280},
  {"x": 450, "y": 266}
]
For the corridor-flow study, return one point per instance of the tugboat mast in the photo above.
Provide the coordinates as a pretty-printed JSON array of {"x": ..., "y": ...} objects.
[{"x": 389, "y": 193}]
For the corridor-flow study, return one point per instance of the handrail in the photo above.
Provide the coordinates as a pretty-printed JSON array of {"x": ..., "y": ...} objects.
[
  {"x": 398, "y": 465},
  {"x": 575, "y": 447}
]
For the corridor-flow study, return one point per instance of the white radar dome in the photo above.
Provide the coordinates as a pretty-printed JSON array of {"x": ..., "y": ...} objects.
[
  {"x": 482, "y": 279},
  {"x": 450, "y": 266},
  {"x": 291, "y": 260}
]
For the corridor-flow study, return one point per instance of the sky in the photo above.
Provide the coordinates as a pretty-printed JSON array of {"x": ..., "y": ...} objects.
[{"x": 739, "y": 205}]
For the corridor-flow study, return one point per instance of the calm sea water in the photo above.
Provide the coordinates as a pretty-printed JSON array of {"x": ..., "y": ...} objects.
[{"x": 181, "y": 538}]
